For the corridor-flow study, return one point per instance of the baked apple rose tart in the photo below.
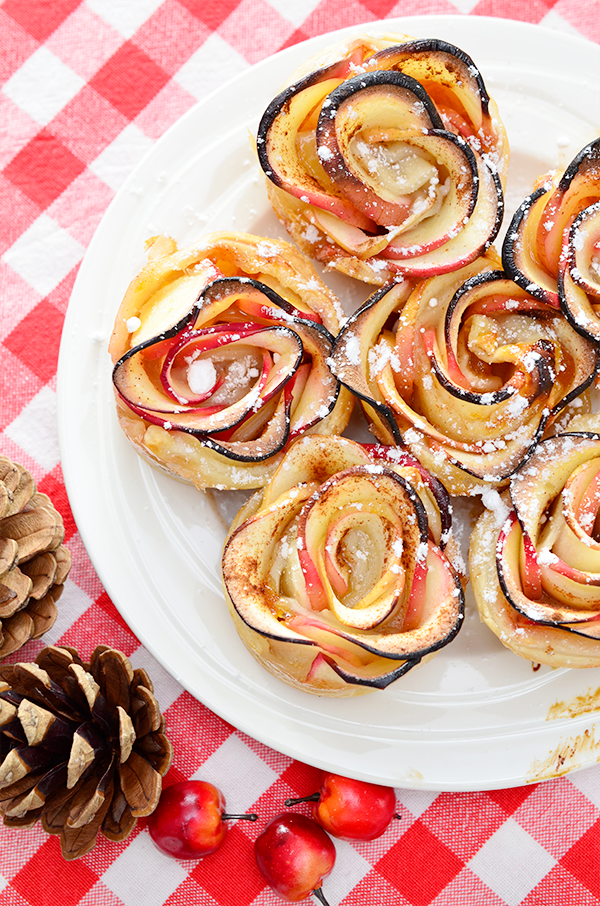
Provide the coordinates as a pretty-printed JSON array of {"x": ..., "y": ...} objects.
[
  {"x": 220, "y": 358},
  {"x": 467, "y": 370},
  {"x": 536, "y": 573},
  {"x": 386, "y": 157},
  {"x": 338, "y": 573},
  {"x": 552, "y": 247}
]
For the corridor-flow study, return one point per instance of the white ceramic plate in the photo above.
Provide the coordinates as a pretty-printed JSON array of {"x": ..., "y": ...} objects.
[{"x": 477, "y": 716}]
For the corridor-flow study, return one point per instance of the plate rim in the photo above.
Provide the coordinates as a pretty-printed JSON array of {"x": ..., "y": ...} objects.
[{"x": 83, "y": 520}]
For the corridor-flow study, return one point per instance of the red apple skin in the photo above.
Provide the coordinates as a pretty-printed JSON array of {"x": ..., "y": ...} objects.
[
  {"x": 294, "y": 854},
  {"x": 188, "y": 821},
  {"x": 354, "y": 809}
]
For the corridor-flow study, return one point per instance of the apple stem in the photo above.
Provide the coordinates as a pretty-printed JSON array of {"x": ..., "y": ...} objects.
[
  {"x": 249, "y": 817},
  {"x": 314, "y": 797},
  {"x": 318, "y": 892}
]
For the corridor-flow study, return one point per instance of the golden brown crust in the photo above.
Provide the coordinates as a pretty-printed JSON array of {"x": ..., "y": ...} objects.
[
  {"x": 538, "y": 643},
  {"x": 335, "y": 574},
  {"x": 164, "y": 291},
  {"x": 233, "y": 253},
  {"x": 534, "y": 560},
  {"x": 337, "y": 239}
]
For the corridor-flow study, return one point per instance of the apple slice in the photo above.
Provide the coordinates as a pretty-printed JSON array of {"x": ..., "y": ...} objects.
[
  {"x": 547, "y": 254},
  {"x": 354, "y": 356},
  {"x": 577, "y": 189},
  {"x": 380, "y": 530},
  {"x": 283, "y": 354},
  {"x": 567, "y": 596},
  {"x": 376, "y": 675},
  {"x": 278, "y": 145},
  {"x": 491, "y": 368},
  {"x": 336, "y": 563},
  {"x": 579, "y": 272},
  {"x": 545, "y": 556},
  {"x": 519, "y": 248},
  {"x": 456, "y": 86},
  {"x": 539, "y": 642},
  {"x": 363, "y": 140},
  {"x": 393, "y": 166},
  {"x": 207, "y": 386},
  {"x": 461, "y": 240},
  {"x": 240, "y": 387}
]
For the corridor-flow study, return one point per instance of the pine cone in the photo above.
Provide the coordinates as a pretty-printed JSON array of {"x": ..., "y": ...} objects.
[
  {"x": 82, "y": 746},
  {"x": 33, "y": 560}
]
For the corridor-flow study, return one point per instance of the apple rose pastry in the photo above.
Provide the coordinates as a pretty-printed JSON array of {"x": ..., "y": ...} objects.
[
  {"x": 552, "y": 247},
  {"x": 387, "y": 158},
  {"x": 536, "y": 573},
  {"x": 337, "y": 574},
  {"x": 220, "y": 358},
  {"x": 467, "y": 370}
]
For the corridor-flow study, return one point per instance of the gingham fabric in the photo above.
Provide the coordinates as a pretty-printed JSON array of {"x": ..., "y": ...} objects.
[{"x": 85, "y": 90}]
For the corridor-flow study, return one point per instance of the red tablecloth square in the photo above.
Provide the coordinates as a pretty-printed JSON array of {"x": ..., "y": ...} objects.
[
  {"x": 255, "y": 29},
  {"x": 89, "y": 196},
  {"x": 11, "y": 897},
  {"x": 129, "y": 80},
  {"x": 19, "y": 214},
  {"x": 38, "y": 351},
  {"x": 171, "y": 35},
  {"x": 582, "y": 859},
  {"x": 43, "y": 168},
  {"x": 59, "y": 297},
  {"x": 302, "y": 779},
  {"x": 212, "y": 12},
  {"x": 94, "y": 625},
  {"x": 13, "y": 288},
  {"x": 47, "y": 880},
  {"x": 111, "y": 611},
  {"x": 375, "y": 890},
  {"x": 510, "y": 800},
  {"x": 575, "y": 13},
  {"x": 379, "y": 8},
  {"x": 466, "y": 889},
  {"x": 514, "y": 9},
  {"x": 38, "y": 17},
  {"x": 542, "y": 818},
  {"x": 231, "y": 886},
  {"x": 189, "y": 893},
  {"x": 170, "y": 103},
  {"x": 14, "y": 375},
  {"x": 17, "y": 848},
  {"x": 299, "y": 34},
  {"x": 18, "y": 126},
  {"x": 323, "y": 17},
  {"x": 407, "y": 865},
  {"x": 17, "y": 45},
  {"x": 84, "y": 57}
]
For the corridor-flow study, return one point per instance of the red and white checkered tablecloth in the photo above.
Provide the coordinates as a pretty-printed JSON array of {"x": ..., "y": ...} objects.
[{"x": 86, "y": 88}]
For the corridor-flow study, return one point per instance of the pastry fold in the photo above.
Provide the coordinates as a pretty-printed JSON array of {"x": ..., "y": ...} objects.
[
  {"x": 387, "y": 158},
  {"x": 552, "y": 247},
  {"x": 535, "y": 572},
  {"x": 220, "y": 358},
  {"x": 466, "y": 370},
  {"x": 337, "y": 574}
]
